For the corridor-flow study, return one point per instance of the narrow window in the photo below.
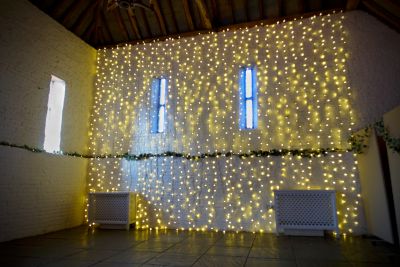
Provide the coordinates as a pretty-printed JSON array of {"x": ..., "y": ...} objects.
[
  {"x": 159, "y": 99},
  {"x": 52, "y": 134},
  {"x": 248, "y": 98}
]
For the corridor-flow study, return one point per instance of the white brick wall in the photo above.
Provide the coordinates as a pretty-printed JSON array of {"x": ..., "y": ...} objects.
[{"x": 41, "y": 193}]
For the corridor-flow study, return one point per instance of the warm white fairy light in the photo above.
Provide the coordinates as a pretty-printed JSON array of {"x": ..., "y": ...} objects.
[{"x": 303, "y": 102}]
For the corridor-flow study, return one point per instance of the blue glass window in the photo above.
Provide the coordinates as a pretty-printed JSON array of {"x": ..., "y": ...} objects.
[
  {"x": 248, "y": 98},
  {"x": 159, "y": 100}
]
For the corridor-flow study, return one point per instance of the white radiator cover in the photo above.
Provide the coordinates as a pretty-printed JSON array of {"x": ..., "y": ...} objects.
[
  {"x": 307, "y": 212},
  {"x": 112, "y": 209}
]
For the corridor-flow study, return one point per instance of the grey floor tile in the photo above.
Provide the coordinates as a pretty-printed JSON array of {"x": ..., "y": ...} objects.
[
  {"x": 37, "y": 252},
  {"x": 132, "y": 256},
  {"x": 270, "y": 240},
  {"x": 190, "y": 249},
  {"x": 373, "y": 264},
  {"x": 68, "y": 263},
  {"x": 308, "y": 263},
  {"x": 169, "y": 259},
  {"x": 92, "y": 255},
  {"x": 218, "y": 261},
  {"x": 22, "y": 261},
  {"x": 97, "y": 247},
  {"x": 367, "y": 256},
  {"x": 111, "y": 244},
  {"x": 256, "y": 262},
  {"x": 228, "y": 251},
  {"x": 272, "y": 253},
  {"x": 153, "y": 246},
  {"x": 116, "y": 264},
  {"x": 236, "y": 241},
  {"x": 319, "y": 253}
]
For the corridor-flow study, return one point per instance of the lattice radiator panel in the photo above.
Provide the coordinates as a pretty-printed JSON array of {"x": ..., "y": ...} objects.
[
  {"x": 114, "y": 209},
  {"x": 305, "y": 210}
]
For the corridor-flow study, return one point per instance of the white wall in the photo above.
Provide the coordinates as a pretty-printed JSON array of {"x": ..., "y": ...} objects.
[
  {"x": 41, "y": 192},
  {"x": 373, "y": 191},
  {"x": 304, "y": 102},
  {"x": 392, "y": 122},
  {"x": 374, "y": 67}
]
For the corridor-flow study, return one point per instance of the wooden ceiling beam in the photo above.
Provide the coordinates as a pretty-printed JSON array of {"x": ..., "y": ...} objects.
[
  {"x": 146, "y": 22},
  {"x": 231, "y": 4},
  {"x": 231, "y": 27},
  {"x": 156, "y": 7},
  {"x": 279, "y": 4},
  {"x": 99, "y": 29},
  {"x": 352, "y": 4},
  {"x": 247, "y": 11},
  {"x": 134, "y": 23},
  {"x": 58, "y": 7},
  {"x": 174, "y": 21},
  {"x": 205, "y": 18},
  {"x": 103, "y": 21},
  {"x": 84, "y": 14},
  {"x": 302, "y": 6},
  {"x": 382, "y": 14},
  {"x": 71, "y": 11},
  {"x": 188, "y": 15},
  {"x": 89, "y": 30},
  {"x": 122, "y": 26},
  {"x": 260, "y": 9},
  {"x": 215, "y": 13}
]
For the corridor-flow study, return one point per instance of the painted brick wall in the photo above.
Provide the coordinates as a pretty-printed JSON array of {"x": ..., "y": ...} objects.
[{"x": 40, "y": 193}]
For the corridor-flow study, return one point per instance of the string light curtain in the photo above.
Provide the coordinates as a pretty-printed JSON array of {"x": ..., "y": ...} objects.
[{"x": 304, "y": 102}]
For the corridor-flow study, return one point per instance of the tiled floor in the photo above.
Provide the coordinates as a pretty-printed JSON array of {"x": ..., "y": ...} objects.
[{"x": 104, "y": 248}]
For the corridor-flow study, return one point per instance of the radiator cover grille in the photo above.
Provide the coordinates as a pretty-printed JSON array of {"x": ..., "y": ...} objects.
[
  {"x": 112, "y": 208},
  {"x": 305, "y": 209}
]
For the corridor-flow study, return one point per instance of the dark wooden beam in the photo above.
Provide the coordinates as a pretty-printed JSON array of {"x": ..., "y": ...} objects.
[
  {"x": 58, "y": 7},
  {"x": 103, "y": 22},
  {"x": 280, "y": 7},
  {"x": 352, "y": 4},
  {"x": 88, "y": 31},
  {"x": 188, "y": 15},
  {"x": 231, "y": 4},
  {"x": 247, "y": 11},
  {"x": 215, "y": 13},
  {"x": 99, "y": 29},
  {"x": 174, "y": 21},
  {"x": 232, "y": 27},
  {"x": 83, "y": 14},
  {"x": 71, "y": 11},
  {"x": 382, "y": 14},
  {"x": 99, "y": 36},
  {"x": 146, "y": 22},
  {"x": 122, "y": 26},
  {"x": 302, "y": 6},
  {"x": 156, "y": 7},
  {"x": 205, "y": 18},
  {"x": 134, "y": 23},
  {"x": 260, "y": 9}
]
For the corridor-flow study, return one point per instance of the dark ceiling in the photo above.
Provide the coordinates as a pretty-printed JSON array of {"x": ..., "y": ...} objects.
[{"x": 110, "y": 22}]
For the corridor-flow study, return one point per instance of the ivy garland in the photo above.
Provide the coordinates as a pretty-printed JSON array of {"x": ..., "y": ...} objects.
[
  {"x": 392, "y": 142},
  {"x": 308, "y": 153},
  {"x": 357, "y": 141}
]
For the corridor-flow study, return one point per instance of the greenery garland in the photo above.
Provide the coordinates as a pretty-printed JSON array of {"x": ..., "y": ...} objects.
[
  {"x": 359, "y": 140},
  {"x": 358, "y": 144},
  {"x": 392, "y": 142},
  {"x": 308, "y": 153}
]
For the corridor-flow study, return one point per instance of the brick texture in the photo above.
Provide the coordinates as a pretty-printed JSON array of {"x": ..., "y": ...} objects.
[{"x": 40, "y": 193}]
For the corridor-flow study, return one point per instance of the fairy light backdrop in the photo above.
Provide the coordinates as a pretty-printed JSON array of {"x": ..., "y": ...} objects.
[{"x": 304, "y": 102}]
